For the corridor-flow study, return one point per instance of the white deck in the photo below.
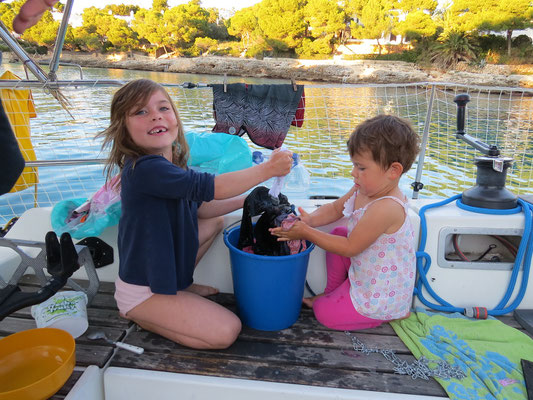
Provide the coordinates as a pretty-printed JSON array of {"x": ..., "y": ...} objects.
[
  {"x": 133, "y": 384},
  {"x": 484, "y": 284},
  {"x": 214, "y": 269}
]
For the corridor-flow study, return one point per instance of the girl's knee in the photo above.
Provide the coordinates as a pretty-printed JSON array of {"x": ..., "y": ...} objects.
[
  {"x": 209, "y": 228},
  {"x": 219, "y": 224},
  {"x": 216, "y": 225},
  {"x": 228, "y": 333}
]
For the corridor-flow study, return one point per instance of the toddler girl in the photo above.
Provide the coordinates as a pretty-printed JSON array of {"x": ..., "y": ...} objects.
[{"x": 371, "y": 262}]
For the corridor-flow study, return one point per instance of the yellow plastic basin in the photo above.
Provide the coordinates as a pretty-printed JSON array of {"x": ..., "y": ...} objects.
[{"x": 36, "y": 363}]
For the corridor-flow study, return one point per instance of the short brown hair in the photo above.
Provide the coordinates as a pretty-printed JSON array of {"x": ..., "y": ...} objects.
[{"x": 389, "y": 138}]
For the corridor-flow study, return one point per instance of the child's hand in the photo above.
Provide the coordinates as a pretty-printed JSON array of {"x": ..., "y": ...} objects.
[
  {"x": 280, "y": 162},
  {"x": 296, "y": 232},
  {"x": 304, "y": 216}
]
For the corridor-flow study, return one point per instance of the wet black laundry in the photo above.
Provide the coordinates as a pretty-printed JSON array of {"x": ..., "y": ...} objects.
[
  {"x": 265, "y": 112},
  {"x": 273, "y": 211}
]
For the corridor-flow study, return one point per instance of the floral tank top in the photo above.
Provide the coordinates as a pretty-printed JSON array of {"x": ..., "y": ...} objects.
[{"x": 382, "y": 277}]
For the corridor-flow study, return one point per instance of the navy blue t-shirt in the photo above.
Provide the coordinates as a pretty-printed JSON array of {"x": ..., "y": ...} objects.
[{"x": 158, "y": 229}]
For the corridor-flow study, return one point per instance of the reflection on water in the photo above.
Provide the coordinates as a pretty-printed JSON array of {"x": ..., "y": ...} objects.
[{"x": 499, "y": 117}]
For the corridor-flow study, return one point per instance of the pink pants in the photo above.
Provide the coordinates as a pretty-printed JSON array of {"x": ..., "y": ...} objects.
[{"x": 335, "y": 308}]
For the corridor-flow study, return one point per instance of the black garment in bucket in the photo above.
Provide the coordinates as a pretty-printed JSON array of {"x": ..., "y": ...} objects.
[{"x": 273, "y": 210}]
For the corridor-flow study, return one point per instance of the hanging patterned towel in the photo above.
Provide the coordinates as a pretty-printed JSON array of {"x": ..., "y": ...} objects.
[
  {"x": 298, "y": 120},
  {"x": 487, "y": 351},
  {"x": 265, "y": 112}
]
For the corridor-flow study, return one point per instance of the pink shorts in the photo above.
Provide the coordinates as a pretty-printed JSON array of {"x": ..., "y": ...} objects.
[{"x": 129, "y": 296}]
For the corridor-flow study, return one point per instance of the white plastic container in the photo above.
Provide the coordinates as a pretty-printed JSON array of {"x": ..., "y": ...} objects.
[
  {"x": 298, "y": 180},
  {"x": 64, "y": 310}
]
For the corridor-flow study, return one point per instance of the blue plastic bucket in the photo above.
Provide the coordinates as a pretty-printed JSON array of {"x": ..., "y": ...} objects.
[{"x": 268, "y": 289}]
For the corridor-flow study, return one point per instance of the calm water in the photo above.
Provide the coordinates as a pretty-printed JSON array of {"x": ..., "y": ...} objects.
[{"x": 332, "y": 112}]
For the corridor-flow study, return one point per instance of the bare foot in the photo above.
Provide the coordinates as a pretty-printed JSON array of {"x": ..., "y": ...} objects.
[
  {"x": 406, "y": 316},
  {"x": 202, "y": 290},
  {"x": 123, "y": 315},
  {"x": 308, "y": 301}
]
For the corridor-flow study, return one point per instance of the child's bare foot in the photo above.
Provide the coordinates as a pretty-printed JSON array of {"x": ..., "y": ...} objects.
[
  {"x": 123, "y": 315},
  {"x": 406, "y": 316},
  {"x": 202, "y": 290},
  {"x": 308, "y": 301}
]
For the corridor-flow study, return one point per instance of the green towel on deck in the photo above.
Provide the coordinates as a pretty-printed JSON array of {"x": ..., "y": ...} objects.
[{"x": 488, "y": 351}]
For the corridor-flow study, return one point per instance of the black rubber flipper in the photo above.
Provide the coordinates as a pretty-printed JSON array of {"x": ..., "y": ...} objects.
[
  {"x": 69, "y": 256},
  {"x": 53, "y": 253},
  {"x": 61, "y": 262}
]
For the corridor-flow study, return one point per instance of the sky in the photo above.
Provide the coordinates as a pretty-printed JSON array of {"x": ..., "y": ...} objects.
[
  {"x": 79, "y": 5},
  {"x": 225, "y": 5}
]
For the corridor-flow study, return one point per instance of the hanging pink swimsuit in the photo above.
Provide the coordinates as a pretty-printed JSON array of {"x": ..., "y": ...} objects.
[{"x": 374, "y": 286}]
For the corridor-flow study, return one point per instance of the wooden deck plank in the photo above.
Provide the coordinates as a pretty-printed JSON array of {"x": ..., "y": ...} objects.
[
  {"x": 290, "y": 336},
  {"x": 284, "y": 373},
  {"x": 11, "y": 325},
  {"x": 89, "y": 354},
  {"x": 254, "y": 349},
  {"x": 301, "y": 354},
  {"x": 307, "y": 353},
  {"x": 331, "y": 338}
]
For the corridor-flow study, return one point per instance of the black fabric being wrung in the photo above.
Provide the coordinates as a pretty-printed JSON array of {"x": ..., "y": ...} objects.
[{"x": 273, "y": 211}]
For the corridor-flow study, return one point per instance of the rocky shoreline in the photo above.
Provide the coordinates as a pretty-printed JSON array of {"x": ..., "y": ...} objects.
[{"x": 337, "y": 71}]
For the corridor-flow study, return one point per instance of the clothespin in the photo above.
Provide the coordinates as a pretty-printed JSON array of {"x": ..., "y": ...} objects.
[
  {"x": 294, "y": 85},
  {"x": 225, "y": 87}
]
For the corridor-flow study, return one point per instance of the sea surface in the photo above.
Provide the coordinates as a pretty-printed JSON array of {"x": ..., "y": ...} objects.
[{"x": 496, "y": 116}]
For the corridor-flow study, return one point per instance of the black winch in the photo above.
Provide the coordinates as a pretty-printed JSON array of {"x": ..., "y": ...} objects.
[{"x": 489, "y": 191}]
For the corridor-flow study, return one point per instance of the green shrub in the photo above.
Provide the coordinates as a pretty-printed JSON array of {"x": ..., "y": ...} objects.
[
  {"x": 31, "y": 48},
  {"x": 192, "y": 51},
  {"x": 206, "y": 44},
  {"x": 492, "y": 42},
  {"x": 406, "y": 55},
  {"x": 277, "y": 47},
  {"x": 522, "y": 41},
  {"x": 317, "y": 49},
  {"x": 42, "y": 50},
  {"x": 452, "y": 48},
  {"x": 256, "y": 51}
]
